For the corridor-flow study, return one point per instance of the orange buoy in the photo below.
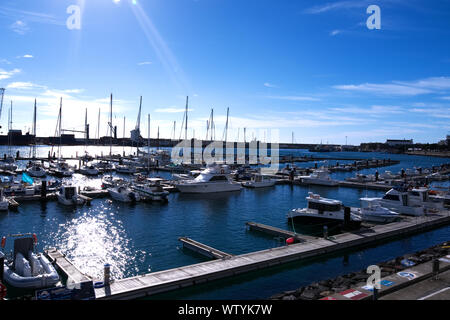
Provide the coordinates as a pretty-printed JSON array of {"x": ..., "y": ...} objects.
[
  {"x": 3, "y": 242},
  {"x": 290, "y": 240},
  {"x": 35, "y": 238}
]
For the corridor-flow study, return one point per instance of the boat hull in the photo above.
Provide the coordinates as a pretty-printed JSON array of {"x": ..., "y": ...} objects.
[{"x": 208, "y": 187}]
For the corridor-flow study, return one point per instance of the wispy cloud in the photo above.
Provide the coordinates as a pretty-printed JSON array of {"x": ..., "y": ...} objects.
[
  {"x": 336, "y": 5},
  {"x": 8, "y": 74},
  {"x": 145, "y": 63},
  {"x": 23, "y": 85},
  {"x": 375, "y": 110},
  {"x": 335, "y": 32},
  {"x": 294, "y": 98},
  {"x": 30, "y": 16},
  {"x": 5, "y": 61},
  {"x": 171, "y": 110},
  {"x": 20, "y": 27},
  {"x": 406, "y": 88},
  {"x": 270, "y": 85},
  {"x": 27, "y": 56}
]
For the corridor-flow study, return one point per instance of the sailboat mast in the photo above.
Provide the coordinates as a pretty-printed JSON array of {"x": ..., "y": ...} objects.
[
  {"x": 148, "y": 144},
  {"x": 60, "y": 128},
  {"x": 225, "y": 133},
  {"x": 110, "y": 126},
  {"x": 34, "y": 130},
  {"x": 186, "y": 123}
]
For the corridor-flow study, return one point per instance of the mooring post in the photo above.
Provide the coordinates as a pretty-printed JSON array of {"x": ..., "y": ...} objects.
[
  {"x": 375, "y": 293},
  {"x": 44, "y": 189},
  {"x": 2, "y": 262},
  {"x": 107, "y": 274},
  {"x": 436, "y": 269},
  {"x": 325, "y": 232}
]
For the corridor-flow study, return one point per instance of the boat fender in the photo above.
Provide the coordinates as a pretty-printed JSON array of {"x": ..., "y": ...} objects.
[
  {"x": 99, "y": 284},
  {"x": 3, "y": 291},
  {"x": 35, "y": 238},
  {"x": 3, "y": 242},
  {"x": 290, "y": 240}
]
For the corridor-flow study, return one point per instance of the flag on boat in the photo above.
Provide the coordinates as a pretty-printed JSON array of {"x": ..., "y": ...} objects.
[{"x": 27, "y": 179}]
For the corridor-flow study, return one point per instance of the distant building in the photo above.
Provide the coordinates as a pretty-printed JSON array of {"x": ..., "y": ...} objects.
[{"x": 404, "y": 142}]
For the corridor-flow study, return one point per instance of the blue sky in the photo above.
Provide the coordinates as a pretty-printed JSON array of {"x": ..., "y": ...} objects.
[{"x": 308, "y": 67}]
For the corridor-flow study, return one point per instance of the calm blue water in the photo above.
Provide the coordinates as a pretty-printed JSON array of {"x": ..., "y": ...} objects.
[{"x": 142, "y": 238}]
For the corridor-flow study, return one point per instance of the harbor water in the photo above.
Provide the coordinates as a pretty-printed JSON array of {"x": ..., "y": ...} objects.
[{"x": 143, "y": 237}]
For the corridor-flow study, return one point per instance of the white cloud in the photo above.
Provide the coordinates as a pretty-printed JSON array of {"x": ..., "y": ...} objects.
[
  {"x": 20, "y": 27},
  {"x": 335, "y": 32},
  {"x": 27, "y": 56},
  {"x": 294, "y": 98},
  {"x": 269, "y": 85},
  {"x": 172, "y": 110},
  {"x": 336, "y": 5},
  {"x": 145, "y": 63},
  {"x": 8, "y": 74},
  {"x": 23, "y": 85}
]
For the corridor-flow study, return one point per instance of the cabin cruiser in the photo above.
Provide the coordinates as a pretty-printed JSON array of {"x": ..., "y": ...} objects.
[
  {"x": 126, "y": 169},
  {"x": 187, "y": 176},
  {"x": 319, "y": 177},
  {"x": 362, "y": 178},
  {"x": 8, "y": 164},
  {"x": 89, "y": 170},
  {"x": 388, "y": 175},
  {"x": 110, "y": 182},
  {"x": 104, "y": 166},
  {"x": 4, "y": 203},
  {"x": 324, "y": 210},
  {"x": 399, "y": 201},
  {"x": 35, "y": 169},
  {"x": 62, "y": 169},
  {"x": 68, "y": 196},
  {"x": 420, "y": 196},
  {"x": 26, "y": 269},
  {"x": 372, "y": 211},
  {"x": 259, "y": 181},
  {"x": 151, "y": 189},
  {"x": 124, "y": 194},
  {"x": 213, "y": 179}
]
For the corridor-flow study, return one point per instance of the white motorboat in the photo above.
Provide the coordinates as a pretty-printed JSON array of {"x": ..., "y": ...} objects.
[
  {"x": 213, "y": 179},
  {"x": 62, "y": 169},
  {"x": 104, "y": 166},
  {"x": 362, "y": 178},
  {"x": 324, "y": 210},
  {"x": 372, "y": 211},
  {"x": 124, "y": 194},
  {"x": 68, "y": 195},
  {"x": 26, "y": 269},
  {"x": 420, "y": 196},
  {"x": 89, "y": 170},
  {"x": 126, "y": 169},
  {"x": 319, "y": 177},
  {"x": 259, "y": 181},
  {"x": 110, "y": 182},
  {"x": 4, "y": 203},
  {"x": 36, "y": 170},
  {"x": 8, "y": 164},
  {"x": 151, "y": 189},
  {"x": 187, "y": 176},
  {"x": 399, "y": 201},
  {"x": 388, "y": 175}
]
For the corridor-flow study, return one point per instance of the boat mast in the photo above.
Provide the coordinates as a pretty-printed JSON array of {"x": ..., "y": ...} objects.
[
  {"x": 123, "y": 141},
  {"x": 186, "y": 123},
  {"x": 148, "y": 144},
  {"x": 98, "y": 127},
  {"x": 60, "y": 131},
  {"x": 2, "y": 92},
  {"x": 174, "y": 128},
  {"x": 33, "y": 131},
  {"x": 110, "y": 127},
  {"x": 225, "y": 132}
]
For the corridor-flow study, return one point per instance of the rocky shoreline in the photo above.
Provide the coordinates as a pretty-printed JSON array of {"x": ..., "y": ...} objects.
[{"x": 324, "y": 288}]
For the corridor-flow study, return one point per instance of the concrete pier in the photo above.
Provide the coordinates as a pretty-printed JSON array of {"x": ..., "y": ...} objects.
[{"x": 162, "y": 281}]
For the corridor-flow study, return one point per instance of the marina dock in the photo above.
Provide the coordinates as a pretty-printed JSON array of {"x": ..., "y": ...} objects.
[
  {"x": 278, "y": 232},
  {"x": 65, "y": 266},
  {"x": 203, "y": 249},
  {"x": 163, "y": 281}
]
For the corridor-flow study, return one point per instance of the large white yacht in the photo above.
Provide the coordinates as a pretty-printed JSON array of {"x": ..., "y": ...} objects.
[
  {"x": 319, "y": 177},
  {"x": 259, "y": 181},
  {"x": 324, "y": 210},
  {"x": 213, "y": 179}
]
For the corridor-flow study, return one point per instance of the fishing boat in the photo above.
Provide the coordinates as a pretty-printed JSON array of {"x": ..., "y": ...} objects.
[
  {"x": 151, "y": 189},
  {"x": 68, "y": 196},
  {"x": 26, "y": 269},
  {"x": 35, "y": 169},
  {"x": 319, "y": 177},
  {"x": 124, "y": 194},
  {"x": 89, "y": 170},
  {"x": 323, "y": 210},
  {"x": 362, "y": 178},
  {"x": 259, "y": 181},
  {"x": 213, "y": 179},
  {"x": 420, "y": 196},
  {"x": 372, "y": 211},
  {"x": 191, "y": 175}
]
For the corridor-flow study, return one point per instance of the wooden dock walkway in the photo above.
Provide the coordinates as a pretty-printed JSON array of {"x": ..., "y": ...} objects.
[
  {"x": 162, "y": 281},
  {"x": 63, "y": 264},
  {"x": 204, "y": 249},
  {"x": 279, "y": 232}
]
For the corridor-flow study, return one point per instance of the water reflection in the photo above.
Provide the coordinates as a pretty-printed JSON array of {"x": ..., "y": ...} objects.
[{"x": 96, "y": 238}]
